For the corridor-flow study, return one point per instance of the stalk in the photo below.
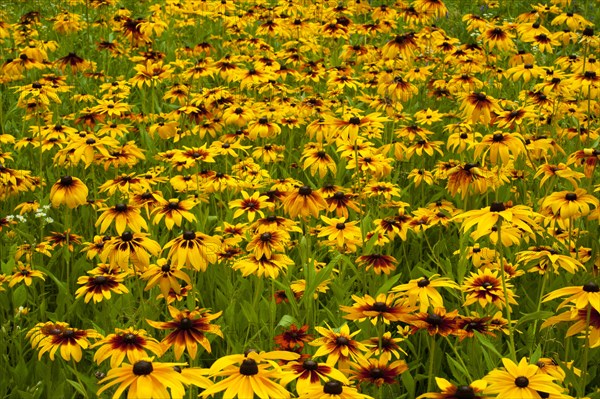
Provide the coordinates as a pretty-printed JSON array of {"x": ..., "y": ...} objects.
[{"x": 499, "y": 252}]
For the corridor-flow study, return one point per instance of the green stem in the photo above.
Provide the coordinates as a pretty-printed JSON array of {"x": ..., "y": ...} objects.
[
  {"x": 499, "y": 252},
  {"x": 539, "y": 305},
  {"x": 430, "y": 376},
  {"x": 460, "y": 359},
  {"x": 586, "y": 351}
]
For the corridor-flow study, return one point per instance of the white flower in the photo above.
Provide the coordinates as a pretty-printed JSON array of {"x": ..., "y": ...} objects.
[{"x": 49, "y": 220}]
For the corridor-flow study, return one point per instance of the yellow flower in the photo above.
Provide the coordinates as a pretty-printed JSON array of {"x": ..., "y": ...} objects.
[
  {"x": 69, "y": 191},
  {"x": 520, "y": 381},
  {"x": 343, "y": 234}
]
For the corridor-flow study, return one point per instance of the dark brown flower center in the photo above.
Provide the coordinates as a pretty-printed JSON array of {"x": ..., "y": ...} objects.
[
  {"x": 99, "y": 280},
  {"x": 464, "y": 392},
  {"x": 497, "y": 207},
  {"x": 591, "y": 287},
  {"x": 186, "y": 324},
  {"x": 498, "y": 137},
  {"x": 342, "y": 341},
  {"x": 340, "y": 226},
  {"x": 521, "y": 382},
  {"x": 379, "y": 307},
  {"x": 424, "y": 282},
  {"x": 355, "y": 120},
  {"x": 121, "y": 207},
  {"x": 487, "y": 285},
  {"x": 249, "y": 367},
  {"x": 266, "y": 237},
  {"x": 571, "y": 197},
  {"x": 434, "y": 319},
  {"x": 189, "y": 235},
  {"x": 127, "y": 236},
  {"x": 66, "y": 181},
  {"x": 305, "y": 191},
  {"x": 377, "y": 373},
  {"x": 310, "y": 365},
  {"x": 130, "y": 338},
  {"x": 142, "y": 368},
  {"x": 333, "y": 388}
]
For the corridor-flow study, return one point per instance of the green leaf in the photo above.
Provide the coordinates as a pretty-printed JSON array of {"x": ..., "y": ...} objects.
[
  {"x": 484, "y": 341},
  {"x": 409, "y": 383},
  {"x": 286, "y": 321},
  {"x": 457, "y": 365},
  {"x": 536, "y": 355},
  {"x": 387, "y": 286},
  {"x": 19, "y": 296},
  {"x": 78, "y": 387},
  {"x": 541, "y": 315}
]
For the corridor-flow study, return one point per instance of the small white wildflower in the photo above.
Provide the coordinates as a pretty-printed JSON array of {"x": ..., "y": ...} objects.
[
  {"x": 10, "y": 218},
  {"x": 49, "y": 220}
]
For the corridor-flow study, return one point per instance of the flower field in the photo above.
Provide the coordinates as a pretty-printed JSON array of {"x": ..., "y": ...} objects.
[{"x": 299, "y": 199}]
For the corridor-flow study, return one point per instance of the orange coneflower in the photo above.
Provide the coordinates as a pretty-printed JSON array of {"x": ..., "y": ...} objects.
[
  {"x": 189, "y": 330},
  {"x": 478, "y": 107},
  {"x": 309, "y": 373},
  {"x": 437, "y": 322},
  {"x": 130, "y": 343},
  {"x": 193, "y": 249},
  {"x": 70, "y": 191},
  {"x": 338, "y": 346},
  {"x": 304, "y": 201}
]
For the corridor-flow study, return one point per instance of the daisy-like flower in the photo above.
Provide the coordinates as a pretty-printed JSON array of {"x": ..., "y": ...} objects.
[
  {"x": 343, "y": 234},
  {"x": 339, "y": 347},
  {"x": 309, "y": 373},
  {"x": 478, "y": 107},
  {"x": 317, "y": 159},
  {"x": 384, "y": 308},
  {"x": 579, "y": 318},
  {"x": 69, "y": 340},
  {"x": 333, "y": 390},
  {"x": 250, "y": 205},
  {"x": 378, "y": 262},
  {"x": 423, "y": 291},
  {"x": 130, "y": 247},
  {"x": 130, "y": 343},
  {"x": 500, "y": 146},
  {"x": 193, "y": 249},
  {"x": 304, "y": 202},
  {"x": 341, "y": 202},
  {"x": 437, "y": 322},
  {"x": 569, "y": 204},
  {"x": 485, "y": 219},
  {"x": 450, "y": 391},
  {"x": 174, "y": 211},
  {"x": 70, "y": 191},
  {"x": 165, "y": 275},
  {"x": 44, "y": 331},
  {"x": 540, "y": 258},
  {"x": 189, "y": 329},
  {"x": 377, "y": 371},
  {"x": 249, "y": 375},
  {"x": 145, "y": 378},
  {"x": 267, "y": 242},
  {"x": 263, "y": 266},
  {"x": 99, "y": 287},
  {"x": 485, "y": 287},
  {"x": 580, "y": 296},
  {"x": 293, "y": 338},
  {"x": 386, "y": 347},
  {"x": 521, "y": 380},
  {"x": 124, "y": 216},
  {"x": 468, "y": 326},
  {"x": 24, "y": 273}
]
